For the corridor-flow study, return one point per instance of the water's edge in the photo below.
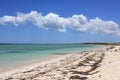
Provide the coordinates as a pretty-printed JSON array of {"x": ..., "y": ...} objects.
[{"x": 36, "y": 56}]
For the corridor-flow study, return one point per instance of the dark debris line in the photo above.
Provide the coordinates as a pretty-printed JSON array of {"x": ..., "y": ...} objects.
[{"x": 96, "y": 58}]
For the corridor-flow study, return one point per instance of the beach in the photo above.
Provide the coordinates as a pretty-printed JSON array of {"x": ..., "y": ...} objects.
[{"x": 99, "y": 64}]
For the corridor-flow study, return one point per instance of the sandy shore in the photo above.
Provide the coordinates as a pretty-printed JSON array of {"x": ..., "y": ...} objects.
[
  {"x": 101, "y": 64},
  {"x": 29, "y": 63}
]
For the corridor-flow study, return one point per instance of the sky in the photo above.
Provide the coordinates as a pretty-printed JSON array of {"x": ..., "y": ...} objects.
[{"x": 59, "y": 21}]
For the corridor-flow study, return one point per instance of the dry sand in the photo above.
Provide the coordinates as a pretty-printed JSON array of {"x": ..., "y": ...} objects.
[{"x": 101, "y": 64}]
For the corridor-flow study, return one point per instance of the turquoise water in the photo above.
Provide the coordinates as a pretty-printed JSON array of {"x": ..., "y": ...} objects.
[{"x": 14, "y": 54}]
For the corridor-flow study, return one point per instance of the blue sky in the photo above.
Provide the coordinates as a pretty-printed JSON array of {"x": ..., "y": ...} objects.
[{"x": 59, "y": 21}]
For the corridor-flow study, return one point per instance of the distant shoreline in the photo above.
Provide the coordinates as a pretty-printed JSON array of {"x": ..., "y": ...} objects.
[
  {"x": 117, "y": 43},
  {"x": 96, "y": 43}
]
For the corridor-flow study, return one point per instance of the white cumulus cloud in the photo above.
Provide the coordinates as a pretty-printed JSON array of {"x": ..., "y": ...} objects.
[{"x": 54, "y": 21}]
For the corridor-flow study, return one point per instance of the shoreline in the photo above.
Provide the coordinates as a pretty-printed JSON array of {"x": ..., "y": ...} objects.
[
  {"x": 80, "y": 65},
  {"x": 33, "y": 66},
  {"x": 37, "y": 61},
  {"x": 27, "y": 64}
]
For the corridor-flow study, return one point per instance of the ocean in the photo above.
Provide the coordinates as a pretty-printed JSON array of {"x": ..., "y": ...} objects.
[{"x": 17, "y": 54}]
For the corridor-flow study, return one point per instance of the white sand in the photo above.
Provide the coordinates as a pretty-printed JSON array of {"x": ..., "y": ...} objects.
[{"x": 110, "y": 66}]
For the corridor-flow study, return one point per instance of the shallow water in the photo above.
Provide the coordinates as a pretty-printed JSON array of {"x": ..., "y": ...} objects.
[{"x": 16, "y": 54}]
